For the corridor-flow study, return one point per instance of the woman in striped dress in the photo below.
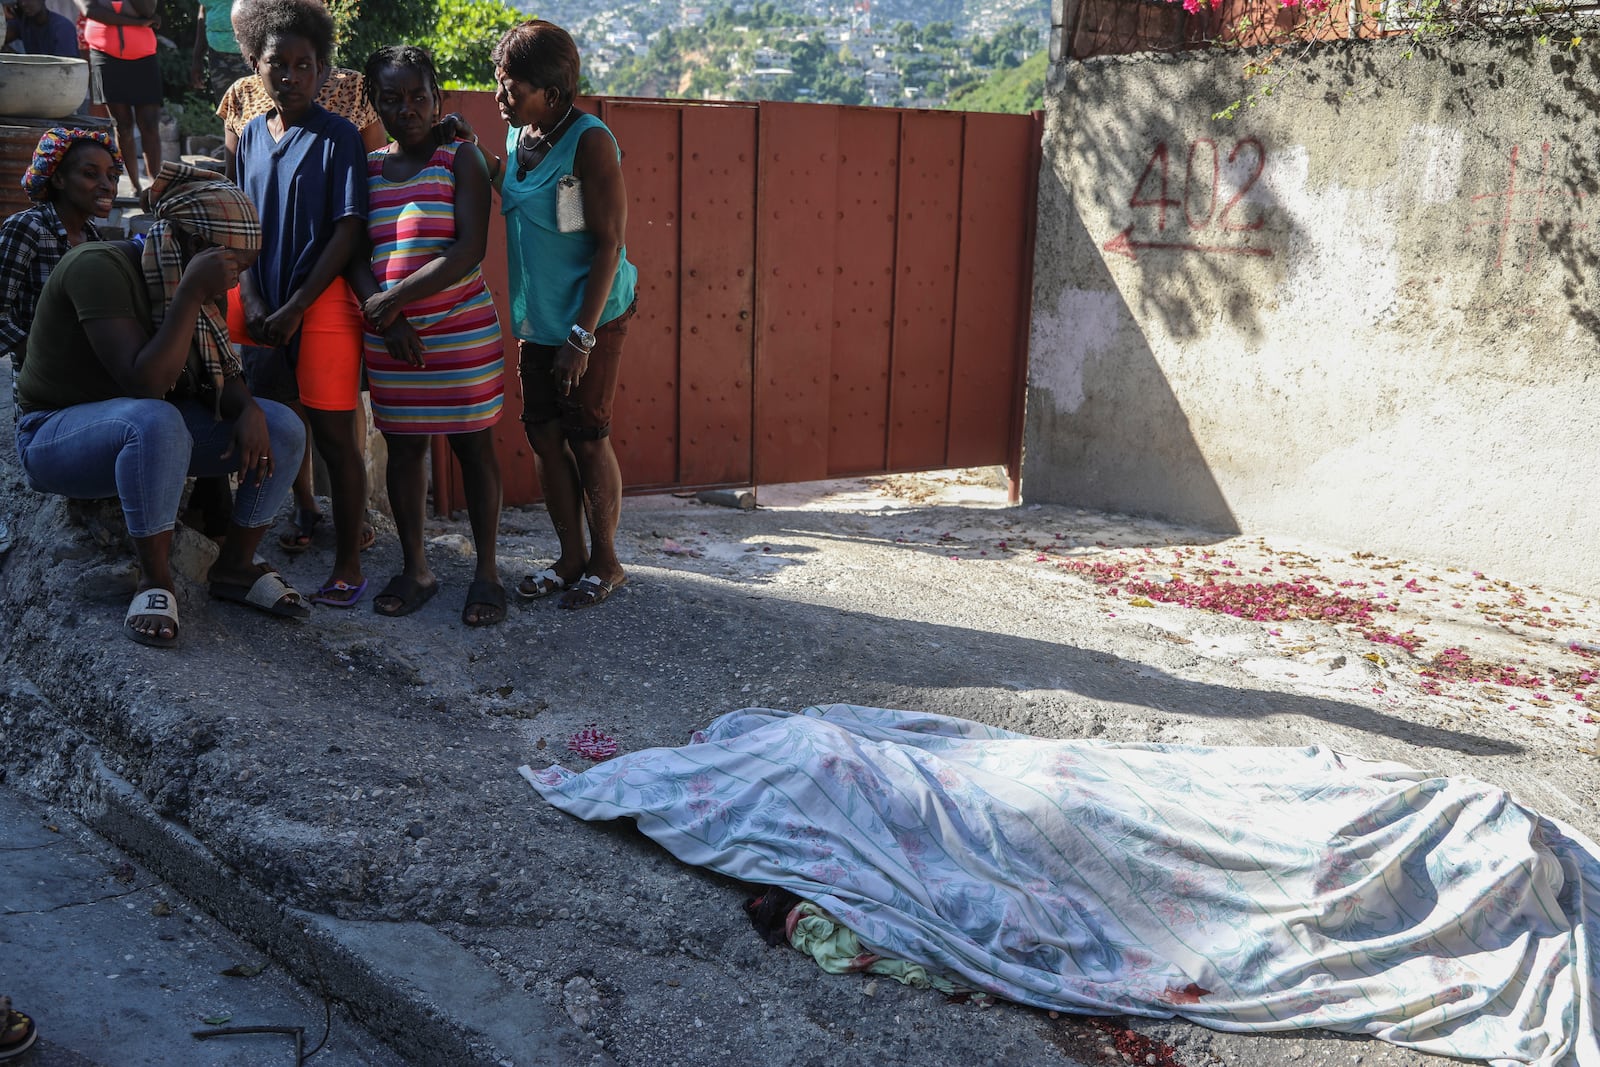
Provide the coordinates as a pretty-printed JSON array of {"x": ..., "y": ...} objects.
[{"x": 433, "y": 350}]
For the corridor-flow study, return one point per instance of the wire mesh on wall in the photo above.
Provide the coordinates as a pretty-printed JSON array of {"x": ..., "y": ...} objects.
[{"x": 1119, "y": 27}]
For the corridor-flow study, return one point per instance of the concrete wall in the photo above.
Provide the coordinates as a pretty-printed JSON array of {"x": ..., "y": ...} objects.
[{"x": 1361, "y": 313}]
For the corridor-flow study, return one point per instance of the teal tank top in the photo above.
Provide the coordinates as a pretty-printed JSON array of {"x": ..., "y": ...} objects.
[
  {"x": 548, "y": 268},
  {"x": 219, "y": 26}
]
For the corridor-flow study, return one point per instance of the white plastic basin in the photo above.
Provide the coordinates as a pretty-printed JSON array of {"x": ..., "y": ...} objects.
[{"x": 44, "y": 87}]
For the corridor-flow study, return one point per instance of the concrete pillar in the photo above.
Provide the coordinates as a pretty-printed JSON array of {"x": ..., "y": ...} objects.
[{"x": 1058, "y": 29}]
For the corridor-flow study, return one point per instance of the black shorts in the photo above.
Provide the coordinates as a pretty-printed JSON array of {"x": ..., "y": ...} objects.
[
  {"x": 584, "y": 413},
  {"x": 124, "y": 81},
  {"x": 270, "y": 373}
]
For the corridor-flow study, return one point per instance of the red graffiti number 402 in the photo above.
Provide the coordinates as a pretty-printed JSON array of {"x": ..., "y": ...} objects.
[{"x": 1203, "y": 168}]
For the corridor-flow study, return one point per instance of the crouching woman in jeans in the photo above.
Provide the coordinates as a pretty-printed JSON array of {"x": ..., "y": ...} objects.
[{"x": 130, "y": 385}]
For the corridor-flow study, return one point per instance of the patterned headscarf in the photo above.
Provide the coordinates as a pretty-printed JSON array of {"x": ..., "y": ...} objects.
[
  {"x": 53, "y": 148},
  {"x": 204, "y": 203}
]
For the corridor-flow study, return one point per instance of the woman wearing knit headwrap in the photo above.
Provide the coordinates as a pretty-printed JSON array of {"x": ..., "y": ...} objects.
[
  {"x": 73, "y": 179},
  {"x": 130, "y": 386}
]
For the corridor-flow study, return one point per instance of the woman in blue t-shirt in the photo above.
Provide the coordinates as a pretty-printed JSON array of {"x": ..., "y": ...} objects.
[{"x": 306, "y": 171}]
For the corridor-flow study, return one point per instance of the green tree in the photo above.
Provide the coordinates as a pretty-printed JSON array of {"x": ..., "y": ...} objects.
[
  {"x": 1017, "y": 90},
  {"x": 1018, "y": 41},
  {"x": 466, "y": 34},
  {"x": 368, "y": 25},
  {"x": 459, "y": 33},
  {"x": 709, "y": 83}
]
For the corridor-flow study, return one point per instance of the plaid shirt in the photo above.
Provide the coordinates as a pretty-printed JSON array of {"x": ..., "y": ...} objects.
[{"x": 32, "y": 242}]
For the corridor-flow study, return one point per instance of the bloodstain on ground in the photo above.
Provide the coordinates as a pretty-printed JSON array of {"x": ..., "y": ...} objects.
[{"x": 1106, "y": 1040}]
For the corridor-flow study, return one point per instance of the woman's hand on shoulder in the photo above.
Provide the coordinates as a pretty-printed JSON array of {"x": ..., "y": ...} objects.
[{"x": 454, "y": 127}]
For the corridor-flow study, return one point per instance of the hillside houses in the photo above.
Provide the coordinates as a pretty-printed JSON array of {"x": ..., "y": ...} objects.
[{"x": 828, "y": 52}]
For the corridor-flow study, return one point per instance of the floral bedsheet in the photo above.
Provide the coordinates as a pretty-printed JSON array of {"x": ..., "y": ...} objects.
[{"x": 1242, "y": 888}]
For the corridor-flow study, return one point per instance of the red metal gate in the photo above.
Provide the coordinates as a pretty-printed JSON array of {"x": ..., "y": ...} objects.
[{"x": 823, "y": 291}]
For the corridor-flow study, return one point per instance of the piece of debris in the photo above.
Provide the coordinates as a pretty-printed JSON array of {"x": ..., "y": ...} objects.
[
  {"x": 591, "y": 744},
  {"x": 743, "y": 499}
]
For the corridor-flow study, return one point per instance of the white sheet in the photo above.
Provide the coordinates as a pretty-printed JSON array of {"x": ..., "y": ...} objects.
[{"x": 1242, "y": 888}]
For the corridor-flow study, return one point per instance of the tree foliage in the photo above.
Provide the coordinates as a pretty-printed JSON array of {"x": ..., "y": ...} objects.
[
  {"x": 459, "y": 33},
  {"x": 1017, "y": 90},
  {"x": 364, "y": 26},
  {"x": 1007, "y": 48},
  {"x": 466, "y": 34}
]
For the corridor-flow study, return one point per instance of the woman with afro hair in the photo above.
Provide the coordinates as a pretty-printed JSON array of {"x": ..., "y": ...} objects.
[{"x": 305, "y": 170}]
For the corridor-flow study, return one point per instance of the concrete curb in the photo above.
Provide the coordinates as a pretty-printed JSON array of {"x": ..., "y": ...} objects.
[{"x": 409, "y": 985}]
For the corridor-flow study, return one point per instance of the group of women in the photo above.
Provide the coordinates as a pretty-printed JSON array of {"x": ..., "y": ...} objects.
[{"x": 142, "y": 364}]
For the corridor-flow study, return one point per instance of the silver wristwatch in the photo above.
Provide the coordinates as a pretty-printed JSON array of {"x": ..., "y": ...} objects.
[{"x": 581, "y": 338}]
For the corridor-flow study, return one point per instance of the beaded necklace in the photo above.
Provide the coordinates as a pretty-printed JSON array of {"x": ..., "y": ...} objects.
[{"x": 525, "y": 160}]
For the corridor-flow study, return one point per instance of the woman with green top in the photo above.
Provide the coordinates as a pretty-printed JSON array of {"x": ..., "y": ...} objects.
[
  {"x": 572, "y": 295},
  {"x": 216, "y": 50}
]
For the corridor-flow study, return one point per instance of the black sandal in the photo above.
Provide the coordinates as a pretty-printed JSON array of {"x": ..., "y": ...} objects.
[
  {"x": 484, "y": 594},
  {"x": 411, "y": 593},
  {"x": 297, "y": 538}
]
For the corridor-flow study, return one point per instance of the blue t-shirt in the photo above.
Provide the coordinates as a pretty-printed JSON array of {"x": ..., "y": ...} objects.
[
  {"x": 301, "y": 186},
  {"x": 57, "y": 37},
  {"x": 548, "y": 268}
]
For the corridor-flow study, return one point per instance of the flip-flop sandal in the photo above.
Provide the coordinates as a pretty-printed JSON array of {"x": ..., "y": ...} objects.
[
  {"x": 411, "y": 594},
  {"x": 159, "y": 602},
  {"x": 268, "y": 593},
  {"x": 340, "y": 593},
  {"x": 481, "y": 594},
  {"x": 17, "y": 1032},
  {"x": 587, "y": 592},
  {"x": 542, "y": 584},
  {"x": 298, "y": 537}
]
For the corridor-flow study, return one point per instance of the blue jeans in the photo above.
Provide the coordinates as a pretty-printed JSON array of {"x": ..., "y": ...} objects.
[{"x": 140, "y": 451}]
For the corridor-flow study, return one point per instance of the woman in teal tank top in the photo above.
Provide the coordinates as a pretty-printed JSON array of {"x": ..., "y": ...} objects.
[{"x": 572, "y": 295}]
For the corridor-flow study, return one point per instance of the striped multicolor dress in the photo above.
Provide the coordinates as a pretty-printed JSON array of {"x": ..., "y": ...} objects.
[{"x": 460, "y": 389}]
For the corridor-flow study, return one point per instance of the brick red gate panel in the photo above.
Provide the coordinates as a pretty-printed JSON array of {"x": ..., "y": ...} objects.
[
  {"x": 823, "y": 291},
  {"x": 867, "y": 209},
  {"x": 928, "y": 239},
  {"x": 644, "y": 421},
  {"x": 988, "y": 358},
  {"x": 795, "y": 258},
  {"x": 716, "y": 404}
]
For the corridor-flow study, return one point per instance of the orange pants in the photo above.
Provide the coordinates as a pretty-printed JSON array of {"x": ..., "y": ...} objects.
[{"x": 328, "y": 362}]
